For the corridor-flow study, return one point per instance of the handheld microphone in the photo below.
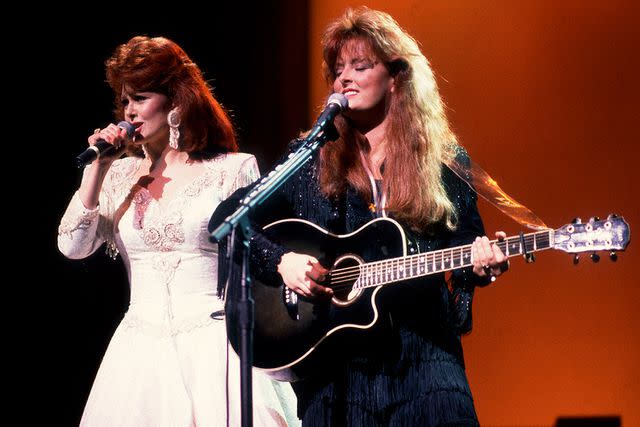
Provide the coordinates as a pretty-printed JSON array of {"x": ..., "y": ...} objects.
[
  {"x": 335, "y": 104},
  {"x": 102, "y": 147}
]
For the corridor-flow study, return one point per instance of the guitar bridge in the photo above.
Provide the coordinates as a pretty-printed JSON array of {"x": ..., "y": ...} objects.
[{"x": 290, "y": 300}]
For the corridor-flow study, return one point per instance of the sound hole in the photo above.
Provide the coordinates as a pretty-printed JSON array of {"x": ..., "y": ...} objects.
[{"x": 344, "y": 274}]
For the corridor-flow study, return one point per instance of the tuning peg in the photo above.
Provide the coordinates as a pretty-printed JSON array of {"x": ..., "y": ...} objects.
[
  {"x": 595, "y": 257},
  {"x": 614, "y": 256},
  {"x": 576, "y": 259},
  {"x": 611, "y": 216},
  {"x": 576, "y": 221},
  {"x": 594, "y": 219}
]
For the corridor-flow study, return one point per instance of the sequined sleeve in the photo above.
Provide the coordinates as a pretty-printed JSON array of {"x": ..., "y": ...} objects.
[
  {"x": 469, "y": 226},
  {"x": 264, "y": 254}
]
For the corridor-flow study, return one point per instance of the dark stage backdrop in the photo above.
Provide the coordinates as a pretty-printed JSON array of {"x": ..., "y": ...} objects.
[{"x": 255, "y": 57}]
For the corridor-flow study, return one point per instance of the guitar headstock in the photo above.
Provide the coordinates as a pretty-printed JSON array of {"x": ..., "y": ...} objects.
[{"x": 610, "y": 234}]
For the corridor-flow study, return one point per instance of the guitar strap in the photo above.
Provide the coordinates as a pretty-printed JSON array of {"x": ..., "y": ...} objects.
[
  {"x": 480, "y": 182},
  {"x": 488, "y": 189}
]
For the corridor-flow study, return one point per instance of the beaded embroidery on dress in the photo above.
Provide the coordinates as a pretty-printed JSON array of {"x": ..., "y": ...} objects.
[{"x": 166, "y": 362}]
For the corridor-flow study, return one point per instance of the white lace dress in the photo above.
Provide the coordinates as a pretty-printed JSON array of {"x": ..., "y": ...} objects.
[{"x": 166, "y": 364}]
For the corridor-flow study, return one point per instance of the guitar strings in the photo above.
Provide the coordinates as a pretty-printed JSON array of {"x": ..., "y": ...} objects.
[{"x": 344, "y": 278}]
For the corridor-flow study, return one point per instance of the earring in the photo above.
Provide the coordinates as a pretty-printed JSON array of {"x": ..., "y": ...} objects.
[{"x": 173, "y": 119}]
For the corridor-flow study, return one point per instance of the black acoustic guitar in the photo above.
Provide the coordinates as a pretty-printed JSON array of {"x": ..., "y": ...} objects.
[{"x": 291, "y": 332}]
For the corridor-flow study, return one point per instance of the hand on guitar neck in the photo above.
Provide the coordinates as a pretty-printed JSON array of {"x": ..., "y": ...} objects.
[
  {"x": 304, "y": 274},
  {"x": 488, "y": 259}
]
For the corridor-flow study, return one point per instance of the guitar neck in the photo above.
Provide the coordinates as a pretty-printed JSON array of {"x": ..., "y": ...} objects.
[{"x": 413, "y": 266}]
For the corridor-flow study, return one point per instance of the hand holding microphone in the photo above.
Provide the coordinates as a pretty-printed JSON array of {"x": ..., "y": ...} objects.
[{"x": 105, "y": 142}]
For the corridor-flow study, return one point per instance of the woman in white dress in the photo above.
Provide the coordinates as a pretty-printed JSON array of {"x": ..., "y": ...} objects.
[{"x": 167, "y": 362}]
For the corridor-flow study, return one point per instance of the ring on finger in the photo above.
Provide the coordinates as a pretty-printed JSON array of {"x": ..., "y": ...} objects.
[{"x": 489, "y": 273}]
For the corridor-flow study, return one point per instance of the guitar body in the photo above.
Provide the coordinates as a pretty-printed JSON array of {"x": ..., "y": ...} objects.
[{"x": 290, "y": 336}]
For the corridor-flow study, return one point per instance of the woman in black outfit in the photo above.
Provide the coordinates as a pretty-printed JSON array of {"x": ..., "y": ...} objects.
[{"x": 390, "y": 161}]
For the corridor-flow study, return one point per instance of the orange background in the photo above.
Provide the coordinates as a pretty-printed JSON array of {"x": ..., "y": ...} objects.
[{"x": 544, "y": 95}]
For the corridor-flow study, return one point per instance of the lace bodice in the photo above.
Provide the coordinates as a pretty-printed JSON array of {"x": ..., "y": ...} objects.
[{"x": 171, "y": 264}]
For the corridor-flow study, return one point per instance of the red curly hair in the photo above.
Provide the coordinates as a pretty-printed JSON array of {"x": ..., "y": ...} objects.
[{"x": 159, "y": 65}]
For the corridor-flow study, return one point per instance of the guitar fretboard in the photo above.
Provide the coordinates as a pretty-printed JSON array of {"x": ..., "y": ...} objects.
[{"x": 412, "y": 266}]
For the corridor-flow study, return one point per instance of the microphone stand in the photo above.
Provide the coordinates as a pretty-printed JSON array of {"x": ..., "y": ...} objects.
[{"x": 239, "y": 220}]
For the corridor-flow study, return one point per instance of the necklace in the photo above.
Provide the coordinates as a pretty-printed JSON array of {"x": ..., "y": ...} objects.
[{"x": 378, "y": 205}]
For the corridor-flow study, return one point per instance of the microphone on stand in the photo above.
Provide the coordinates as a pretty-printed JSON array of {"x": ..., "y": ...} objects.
[
  {"x": 102, "y": 147},
  {"x": 335, "y": 104}
]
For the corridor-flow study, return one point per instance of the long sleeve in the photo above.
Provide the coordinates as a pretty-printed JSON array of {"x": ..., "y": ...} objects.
[
  {"x": 469, "y": 226},
  {"x": 82, "y": 231},
  {"x": 265, "y": 254},
  {"x": 78, "y": 235}
]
